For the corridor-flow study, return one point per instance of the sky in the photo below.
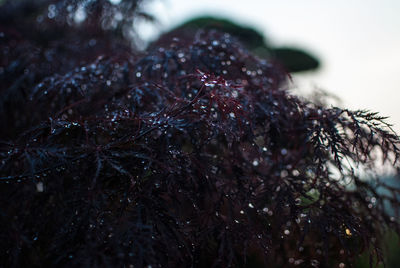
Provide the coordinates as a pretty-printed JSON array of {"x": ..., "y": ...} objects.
[{"x": 358, "y": 42}]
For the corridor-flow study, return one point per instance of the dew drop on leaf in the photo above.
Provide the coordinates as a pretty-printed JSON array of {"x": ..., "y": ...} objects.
[{"x": 39, "y": 187}]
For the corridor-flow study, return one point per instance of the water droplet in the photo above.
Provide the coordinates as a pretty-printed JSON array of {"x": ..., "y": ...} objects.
[
  {"x": 314, "y": 263},
  {"x": 39, "y": 187},
  {"x": 348, "y": 232},
  {"x": 92, "y": 42},
  {"x": 251, "y": 205},
  {"x": 210, "y": 84},
  {"x": 52, "y": 11},
  {"x": 298, "y": 262},
  {"x": 215, "y": 43},
  {"x": 80, "y": 14}
]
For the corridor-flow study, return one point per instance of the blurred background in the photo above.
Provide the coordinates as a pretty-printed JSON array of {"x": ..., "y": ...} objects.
[{"x": 357, "y": 43}]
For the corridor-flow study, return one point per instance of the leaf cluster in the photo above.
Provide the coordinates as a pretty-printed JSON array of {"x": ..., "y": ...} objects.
[{"x": 192, "y": 154}]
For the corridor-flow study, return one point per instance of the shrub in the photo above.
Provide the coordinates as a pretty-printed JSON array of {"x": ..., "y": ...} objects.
[{"x": 192, "y": 154}]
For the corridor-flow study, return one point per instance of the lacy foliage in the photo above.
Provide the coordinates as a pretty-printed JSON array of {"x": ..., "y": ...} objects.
[{"x": 194, "y": 154}]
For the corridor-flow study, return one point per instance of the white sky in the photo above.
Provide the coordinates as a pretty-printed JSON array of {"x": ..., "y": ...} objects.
[{"x": 358, "y": 41}]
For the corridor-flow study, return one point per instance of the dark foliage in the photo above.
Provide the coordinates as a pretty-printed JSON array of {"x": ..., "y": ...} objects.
[
  {"x": 191, "y": 155},
  {"x": 295, "y": 60},
  {"x": 291, "y": 58}
]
